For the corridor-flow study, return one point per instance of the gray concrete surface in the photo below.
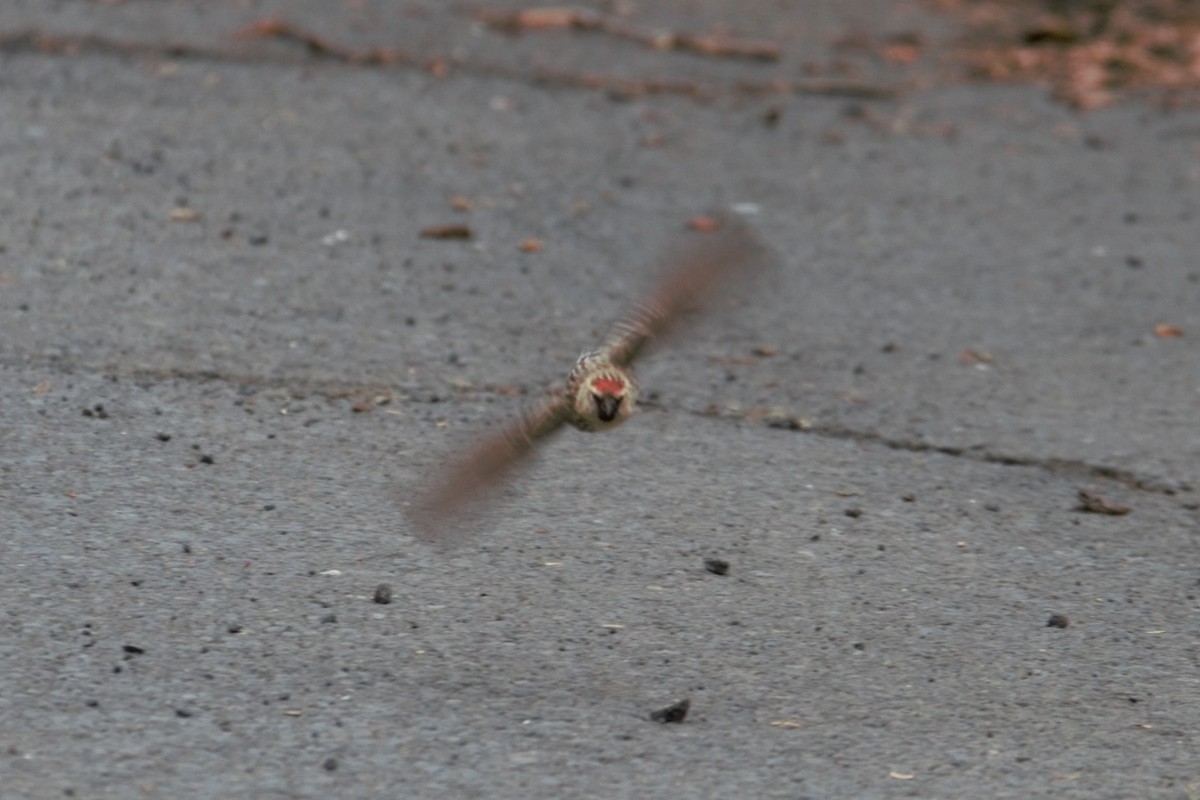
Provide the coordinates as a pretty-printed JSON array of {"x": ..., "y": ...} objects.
[{"x": 195, "y": 520}]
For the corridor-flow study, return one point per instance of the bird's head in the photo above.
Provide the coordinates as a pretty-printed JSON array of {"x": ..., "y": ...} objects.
[{"x": 606, "y": 399}]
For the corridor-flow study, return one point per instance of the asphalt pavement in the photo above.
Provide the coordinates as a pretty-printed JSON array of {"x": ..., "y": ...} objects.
[{"x": 917, "y": 514}]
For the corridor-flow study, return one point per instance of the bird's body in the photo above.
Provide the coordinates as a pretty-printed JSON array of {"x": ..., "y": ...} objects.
[{"x": 601, "y": 392}]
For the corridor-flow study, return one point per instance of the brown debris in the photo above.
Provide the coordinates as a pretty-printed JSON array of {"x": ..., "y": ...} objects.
[
  {"x": 1165, "y": 331},
  {"x": 530, "y": 244},
  {"x": 703, "y": 223},
  {"x": 583, "y": 19},
  {"x": 1088, "y": 52},
  {"x": 786, "y": 724},
  {"x": 530, "y": 19},
  {"x": 972, "y": 356},
  {"x": 451, "y": 231},
  {"x": 183, "y": 214},
  {"x": 904, "y": 52},
  {"x": 1092, "y": 503}
]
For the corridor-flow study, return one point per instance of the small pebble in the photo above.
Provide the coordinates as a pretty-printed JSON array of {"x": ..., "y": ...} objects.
[
  {"x": 1058, "y": 621},
  {"x": 672, "y": 713},
  {"x": 717, "y": 566},
  {"x": 98, "y": 412},
  {"x": 383, "y": 594}
]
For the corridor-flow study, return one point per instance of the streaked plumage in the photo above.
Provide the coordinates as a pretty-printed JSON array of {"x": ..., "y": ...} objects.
[{"x": 601, "y": 391}]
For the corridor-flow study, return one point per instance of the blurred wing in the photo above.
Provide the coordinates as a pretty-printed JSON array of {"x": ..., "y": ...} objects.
[
  {"x": 468, "y": 480},
  {"x": 694, "y": 273}
]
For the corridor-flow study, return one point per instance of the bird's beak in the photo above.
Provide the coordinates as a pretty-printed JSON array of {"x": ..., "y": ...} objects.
[{"x": 606, "y": 407}]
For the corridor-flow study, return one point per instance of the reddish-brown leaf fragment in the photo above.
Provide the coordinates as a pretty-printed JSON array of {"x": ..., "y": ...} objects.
[{"x": 703, "y": 223}]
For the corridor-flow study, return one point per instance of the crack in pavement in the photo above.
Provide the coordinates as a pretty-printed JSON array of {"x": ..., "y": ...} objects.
[
  {"x": 334, "y": 389},
  {"x": 1068, "y": 467},
  {"x": 315, "y": 48},
  {"x": 1059, "y": 466}
]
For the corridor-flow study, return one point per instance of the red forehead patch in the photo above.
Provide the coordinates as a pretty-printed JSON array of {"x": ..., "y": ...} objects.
[{"x": 608, "y": 385}]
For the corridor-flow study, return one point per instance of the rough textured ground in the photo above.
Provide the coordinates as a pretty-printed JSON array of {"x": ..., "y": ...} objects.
[{"x": 210, "y": 256}]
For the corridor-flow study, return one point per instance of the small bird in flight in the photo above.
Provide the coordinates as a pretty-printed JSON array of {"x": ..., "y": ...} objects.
[{"x": 601, "y": 392}]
